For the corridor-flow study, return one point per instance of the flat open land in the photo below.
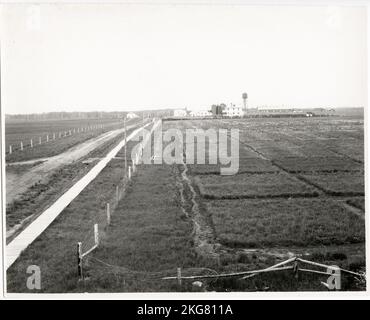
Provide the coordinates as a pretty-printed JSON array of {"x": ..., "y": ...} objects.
[
  {"x": 299, "y": 192},
  {"x": 51, "y": 137},
  {"x": 32, "y": 185},
  {"x": 293, "y": 222},
  {"x": 245, "y": 185}
]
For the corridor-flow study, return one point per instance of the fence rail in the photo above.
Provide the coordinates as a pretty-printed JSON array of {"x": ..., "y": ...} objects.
[{"x": 181, "y": 275}]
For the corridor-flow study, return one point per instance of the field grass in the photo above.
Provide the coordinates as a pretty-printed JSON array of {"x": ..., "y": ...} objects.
[
  {"x": 21, "y": 168},
  {"x": 299, "y": 222},
  {"x": 20, "y": 130},
  {"x": 54, "y": 251},
  {"x": 15, "y": 132},
  {"x": 246, "y": 165},
  {"x": 253, "y": 186},
  {"x": 351, "y": 148},
  {"x": 274, "y": 151},
  {"x": 319, "y": 164},
  {"x": 357, "y": 202},
  {"x": 43, "y": 193},
  {"x": 151, "y": 235},
  {"x": 280, "y": 150},
  {"x": 339, "y": 183}
]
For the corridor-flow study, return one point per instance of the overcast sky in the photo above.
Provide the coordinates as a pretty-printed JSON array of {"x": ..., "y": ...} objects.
[{"x": 132, "y": 57}]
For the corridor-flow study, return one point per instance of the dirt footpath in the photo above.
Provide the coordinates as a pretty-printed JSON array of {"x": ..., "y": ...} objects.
[{"x": 17, "y": 184}]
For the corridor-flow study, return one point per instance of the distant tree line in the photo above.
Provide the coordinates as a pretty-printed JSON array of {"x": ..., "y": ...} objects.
[{"x": 86, "y": 115}]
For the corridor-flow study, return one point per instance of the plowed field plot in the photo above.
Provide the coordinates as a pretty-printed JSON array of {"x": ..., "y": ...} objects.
[
  {"x": 353, "y": 149},
  {"x": 301, "y": 222},
  {"x": 276, "y": 151},
  {"x": 338, "y": 183},
  {"x": 246, "y": 165},
  {"x": 318, "y": 164},
  {"x": 309, "y": 204},
  {"x": 311, "y": 149},
  {"x": 253, "y": 186}
]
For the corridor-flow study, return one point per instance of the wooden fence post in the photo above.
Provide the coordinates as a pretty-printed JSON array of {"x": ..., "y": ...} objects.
[
  {"x": 39, "y": 140},
  {"x": 21, "y": 146},
  {"x": 179, "y": 280},
  {"x": 79, "y": 261},
  {"x": 54, "y": 136},
  {"x": 31, "y": 143},
  {"x": 10, "y": 149},
  {"x": 129, "y": 172},
  {"x": 108, "y": 214},
  {"x": 96, "y": 234},
  {"x": 334, "y": 281},
  {"x": 295, "y": 269},
  {"x": 47, "y": 138}
]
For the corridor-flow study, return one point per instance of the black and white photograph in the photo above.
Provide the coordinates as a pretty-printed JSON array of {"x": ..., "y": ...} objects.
[{"x": 174, "y": 148}]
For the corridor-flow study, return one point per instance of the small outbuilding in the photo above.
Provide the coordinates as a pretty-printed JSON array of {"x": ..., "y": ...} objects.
[{"x": 132, "y": 115}]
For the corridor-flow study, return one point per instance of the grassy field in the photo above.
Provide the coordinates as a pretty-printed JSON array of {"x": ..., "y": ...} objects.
[
  {"x": 246, "y": 165},
  {"x": 41, "y": 194},
  {"x": 55, "y": 250},
  {"x": 149, "y": 234},
  {"x": 68, "y": 133},
  {"x": 318, "y": 160},
  {"x": 339, "y": 183},
  {"x": 319, "y": 164},
  {"x": 253, "y": 186},
  {"x": 293, "y": 222},
  {"x": 357, "y": 203},
  {"x": 166, "y": 220}
]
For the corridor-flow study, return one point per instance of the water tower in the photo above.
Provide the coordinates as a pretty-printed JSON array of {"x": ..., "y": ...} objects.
[{"x": 245, "y": 98}]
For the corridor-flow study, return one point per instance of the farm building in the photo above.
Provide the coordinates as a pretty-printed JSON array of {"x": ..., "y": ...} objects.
[
  {"x": 233, "y": 111},
  {"x": 217, "y": 110},
  {"x": 132, "y": 115},
  {"x": 180, "y": 113},
  {"x": 200, "y": 113}
]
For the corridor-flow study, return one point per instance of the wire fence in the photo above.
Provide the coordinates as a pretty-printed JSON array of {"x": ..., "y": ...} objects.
[
  {"x": 199, "y": 275},
  {"x": 296, "y": 265},
  {"x": 102, "y": 220},
  {"x": 36, "y": 141}
]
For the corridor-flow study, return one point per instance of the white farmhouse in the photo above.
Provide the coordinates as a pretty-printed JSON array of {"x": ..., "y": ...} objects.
[
  {"x": 200, "y": 113},
  {"x": 180, "y": 113},
  {"x": 233, "y": 111}
]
